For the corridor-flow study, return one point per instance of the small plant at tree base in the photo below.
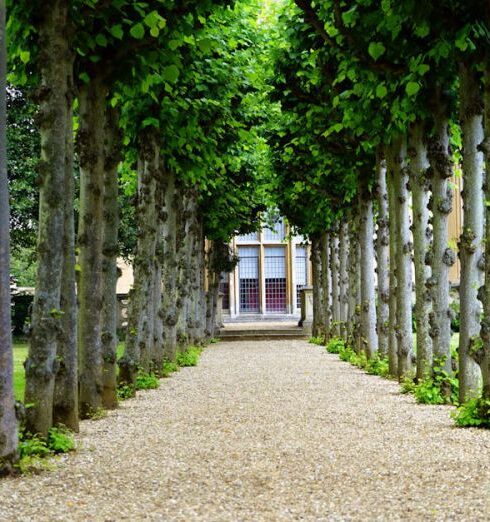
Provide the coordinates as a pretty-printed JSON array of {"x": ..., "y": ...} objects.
[
  {"x": 408, "y": 385},
  {"x": 60, "y": 440},
  {"x": 378, "y": 366},
  {"x": 169, "y": 368},
  {"x": 214, "y": 340},
  {"x": 147, "y": 381},
  {"x": 189, "y": 357},
  {"x": 335, "y": 344},
  {"x": 33, "y": 449},
  {"x": 125, "y": 391},
  {"x": 97, "y": 414},
  {"x": 441, "y": 388},
  {"x": 474, "y": 413},
  {"x": 320, "y": 341}
]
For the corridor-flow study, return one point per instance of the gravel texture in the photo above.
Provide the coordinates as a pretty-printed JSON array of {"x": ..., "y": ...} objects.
[{"x": 265, "y": 431}]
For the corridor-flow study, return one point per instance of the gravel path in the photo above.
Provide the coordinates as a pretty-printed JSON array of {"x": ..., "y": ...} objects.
[{"x": 265, "y": 431}]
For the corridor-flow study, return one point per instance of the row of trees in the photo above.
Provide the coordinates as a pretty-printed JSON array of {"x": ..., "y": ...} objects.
[
  {"x": 382, "y": 104},
  {"x": 150, "y": 103}
]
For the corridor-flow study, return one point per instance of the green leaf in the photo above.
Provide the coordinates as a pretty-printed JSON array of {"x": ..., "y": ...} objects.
[
  {"x": 205, "y": 45},
  {"x": 412, "y": 88},
  {"x": 117, "y": 31},
  {"x": 171, "y": 73},
  {"x": 381, "y": 90},
  {"x": 151, "y": 122},
  {"x": 137, "y": 31},
  {"x": 376, "y": 50},
  {"x": 25, "y": 56},
  {"x": 84, "y": 77},
  {"x": 101, "y": 40},
  {"x": 423, "y": 68}
]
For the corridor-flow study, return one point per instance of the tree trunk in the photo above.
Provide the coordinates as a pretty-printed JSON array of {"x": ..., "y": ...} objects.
[
  {"x": 343, "y": 277},
  {"x": 140, "y": 314},
  {"x": 90, "y": 143},
  {"x": 157, "y": 351},
  {"x": 483, "y": 354},
  {"x": 419, "y": 181},
  {"x": 442, "y": 257},
  {"x": 110, "y": 306},
  {"x": 55, "y": 69},
  {"x": 65, "y": 402},
  {"x": 368, "y": 291},
  {"x": 403, "y": 261},
  {"x": 354, "y": 286},
  {"x": 316, "y": 272},
  {"x": 470, "y": 244},
  {"x": 382, "y": 256},
  {"x": 170, "y": 269},
  {"x": 8, "y": 422},
  {"x": 324, "y": 312},
  {"x": 392, "y": 339},
  {"x": 334, "y": 270}
]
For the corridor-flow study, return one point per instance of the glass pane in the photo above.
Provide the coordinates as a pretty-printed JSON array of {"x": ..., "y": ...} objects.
[
  {"x": 254, "y": 236},
  {"x": 301, "y": 272},
  {"x": 248, "y": 274},
  {"x": 224, "y": 288},
  {"x": 275, "y": 279},
  {"x": 277, "y": 234}
]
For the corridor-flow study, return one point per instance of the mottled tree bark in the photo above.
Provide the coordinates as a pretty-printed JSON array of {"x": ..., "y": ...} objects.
[
  {"x": 90, "y": 144},
  {"x": 137, "y": 354},
  {"x": 334, "y": 271},
  {"x": 343, "y": 277},
  {"x": 110, "y": 273},
  {"x": 419, "y": 181},
  {"x": 54, "y": 106},
  {"x": 403, "y": 260},
  {"x": 368, "y": 291},
  {"x": 65, "y": 402},
  {"x": 8, "y": 422},
  {"x": 482, "y": 354},
  {"x": 392, "y": 339},
  {"x": 354, "y": 286},
  {"x": 316, "y": 273},
  {"x": 442, "y": 257},
  {"x": 382, "y": 256},
  {"x": 325, "y": 310},
  {"x": 470, "y": 245},
  {"x": 170, "y": 268}
]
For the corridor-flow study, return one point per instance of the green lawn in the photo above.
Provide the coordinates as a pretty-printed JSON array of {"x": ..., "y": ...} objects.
[{"x": 20, "y": 355}]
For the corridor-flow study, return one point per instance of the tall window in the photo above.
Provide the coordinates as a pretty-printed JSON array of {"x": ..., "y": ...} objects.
[
  {"x": 248, "y": 274},
  {"x": 245, "y": 238},
  {"x": 278, "y": 233},
  {"x": 301, "y": 272},
  {"x": 224, "y": 288},
  {"x": 275, "y": 279}
]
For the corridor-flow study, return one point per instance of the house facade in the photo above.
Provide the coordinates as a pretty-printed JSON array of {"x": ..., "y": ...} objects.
[{"x": 270, "y": 273}]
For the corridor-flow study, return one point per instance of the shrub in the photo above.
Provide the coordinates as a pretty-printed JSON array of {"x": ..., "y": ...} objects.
[
  {"x": 378, "y": 366},
  {"x": 408, "y": 385},
  {"x": 32, "y": 445},
  {"x": 189, "y": 357},
  {"x": 320, "y": 341},
  {"x": 146, "y": 381},
  {"x": 169, "y": 368},
  {"x": 335, "y": 344},
  {"x": 125, "y": 391},
  {"x": 475, "y": 412},
  {"x": 60, "y": 440},
  {"x": 441, "y": 388},
  {"x": 33, "y": 449}
]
